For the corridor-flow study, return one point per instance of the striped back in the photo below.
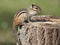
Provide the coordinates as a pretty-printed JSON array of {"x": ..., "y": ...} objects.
[{"x": 21, "y": 11}]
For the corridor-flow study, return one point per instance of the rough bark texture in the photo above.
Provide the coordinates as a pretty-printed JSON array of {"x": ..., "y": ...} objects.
[{"x": 43, "y": 30}]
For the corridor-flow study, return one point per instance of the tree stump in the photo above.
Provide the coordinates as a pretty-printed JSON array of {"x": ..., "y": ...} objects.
[{"x": 43, "y": 30}]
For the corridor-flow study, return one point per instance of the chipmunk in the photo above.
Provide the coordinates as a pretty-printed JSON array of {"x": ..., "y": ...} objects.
[{"x": 24, "y": 15}]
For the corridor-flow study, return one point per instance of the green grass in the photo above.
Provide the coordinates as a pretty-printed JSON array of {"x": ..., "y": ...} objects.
[
  {"x": 7, "y": 43},
  {"x": 6, "y": 37}
]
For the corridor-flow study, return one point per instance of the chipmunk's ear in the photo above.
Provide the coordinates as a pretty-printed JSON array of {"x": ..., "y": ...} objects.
[{"x": 33, "y": 4}]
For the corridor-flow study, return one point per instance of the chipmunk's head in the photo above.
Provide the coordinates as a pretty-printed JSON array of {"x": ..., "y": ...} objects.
[{"x": 34, "y": 9}]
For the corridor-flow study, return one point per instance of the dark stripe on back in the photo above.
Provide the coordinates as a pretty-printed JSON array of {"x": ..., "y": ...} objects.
[{"x": 21, "y": 11}]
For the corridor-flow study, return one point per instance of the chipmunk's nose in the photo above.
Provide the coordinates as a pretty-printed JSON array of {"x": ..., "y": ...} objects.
[{"x": 39, "y": 10}]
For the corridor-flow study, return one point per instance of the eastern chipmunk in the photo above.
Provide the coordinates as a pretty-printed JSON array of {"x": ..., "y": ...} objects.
[{"x": 23, "y": 15}]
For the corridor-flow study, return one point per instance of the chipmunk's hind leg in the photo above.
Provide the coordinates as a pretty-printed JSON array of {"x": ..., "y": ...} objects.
[{"x": 26, "y": 21}]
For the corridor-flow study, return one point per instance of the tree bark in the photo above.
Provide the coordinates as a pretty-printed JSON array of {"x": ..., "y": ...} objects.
[{"x": 42, "y": 30}]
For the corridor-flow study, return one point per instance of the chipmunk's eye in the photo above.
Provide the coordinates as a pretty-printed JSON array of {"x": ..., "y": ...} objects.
[{"x": 36, "y": 8}]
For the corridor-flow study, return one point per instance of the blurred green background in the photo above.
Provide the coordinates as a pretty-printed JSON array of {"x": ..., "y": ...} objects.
[{"x": 9, "y": 7}]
